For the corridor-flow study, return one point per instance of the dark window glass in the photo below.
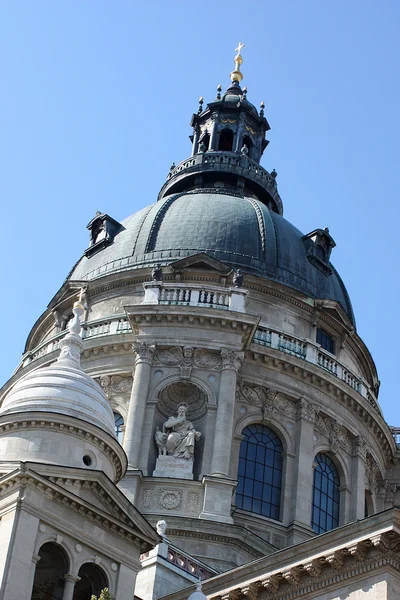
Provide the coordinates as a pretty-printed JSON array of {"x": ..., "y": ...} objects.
[
  {"x": 260, "y": 471},
  {"x": 119, "y": 424},
  {"x": 226, "y": 140},
  {"x": 325, "y": 507},
  {"x": 326, "y": 340}
]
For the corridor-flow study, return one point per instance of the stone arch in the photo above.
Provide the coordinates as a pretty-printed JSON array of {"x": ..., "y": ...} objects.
[
  {"x": 339, "y": 461},
  {"x": 273, "y": 423},
  {"x": 52, "y": 566},
  {"x": 162, "y": 383},
  {"x": 93, "y": 579},
  {"x": 46, "y": 538}
]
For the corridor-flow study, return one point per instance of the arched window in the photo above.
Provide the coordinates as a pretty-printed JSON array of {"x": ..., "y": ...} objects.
[
  {"x": 325, "y": 505},
  {"x": 119, "y": 424},
  {"x": 260, "y": 472},
  {"x": 247, "y": 141},
  {"x": 205, "y": 139},
  {"x": 92, "y": 581},
  {"x": 226, "y": 140},
  {"x": 50, "y": 573}
]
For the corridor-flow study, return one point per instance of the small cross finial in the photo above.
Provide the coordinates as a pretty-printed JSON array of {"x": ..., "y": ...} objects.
[
  {"x": 239, "y": 48},
  {"x": 236, "y": 75}
]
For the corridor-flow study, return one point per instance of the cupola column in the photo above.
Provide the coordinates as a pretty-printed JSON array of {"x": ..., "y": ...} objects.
[
  {"x": 137, "y": 404},
  {"x": 213, "y": 132},
  {"x": 231, "y": 362},
  {"x": 300, "y": 495}
]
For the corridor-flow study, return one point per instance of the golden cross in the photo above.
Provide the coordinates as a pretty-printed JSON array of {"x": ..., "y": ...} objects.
[{"x": 239, "y": 48}]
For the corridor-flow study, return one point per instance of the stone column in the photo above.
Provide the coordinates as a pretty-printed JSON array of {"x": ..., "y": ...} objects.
[
  {"x": 359, "y": 456},
  {"x": 231, "y": 362},
  {"x": 69, "y": 586},
  {"x": 301, "y": 493},
  {"x": 137, "y": 404}
]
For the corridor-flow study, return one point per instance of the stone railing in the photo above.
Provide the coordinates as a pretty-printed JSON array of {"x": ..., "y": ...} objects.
[
  {"x": 230, "y": 162},
  {"x": 189, "y": 564},
  {"x": 395, "y": 431},
  {"x": 312, "y": 352},
  {"x": 234, "y": 299},
  {"x": 182, "y": 294},
  {"x": 115, "y": 325}
]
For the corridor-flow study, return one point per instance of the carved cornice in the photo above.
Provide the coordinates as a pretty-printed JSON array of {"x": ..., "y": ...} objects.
[
  {"x": 125, "y": 529},
  {"x": 306, "y": 372},
  {"x": 56, "y": 423},
  {"x": 319, "y": 572}
]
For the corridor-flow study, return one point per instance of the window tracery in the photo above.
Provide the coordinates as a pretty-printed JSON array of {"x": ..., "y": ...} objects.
[
  {"x": 326, "y": 496},
  {"x": 260, "y": 471}
]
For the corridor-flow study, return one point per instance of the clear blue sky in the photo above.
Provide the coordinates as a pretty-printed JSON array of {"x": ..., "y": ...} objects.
[{"x": 96, "y": 102}]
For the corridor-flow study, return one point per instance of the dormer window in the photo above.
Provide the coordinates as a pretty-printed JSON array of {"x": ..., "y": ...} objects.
[
  {"x": 319, "y": 244},
  {"x": 102, "y": 229},
  {"x": 326, "y": 341}
]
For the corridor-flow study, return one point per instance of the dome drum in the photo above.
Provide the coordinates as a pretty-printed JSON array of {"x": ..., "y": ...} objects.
[{"x": 228, "y": 168}]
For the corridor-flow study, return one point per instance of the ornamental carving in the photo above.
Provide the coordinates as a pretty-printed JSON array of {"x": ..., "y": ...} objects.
[
  {"x": 170, "y": 499},
  {"x": 231, "y": 359},
  {"x": 115, "y": 384},
  {"x": 360, "y": 447},
  {"x": 306, "y": 410},
  {"x": 338, "y": 436},
  {"x": 193, "y": 502},
  {"x": 386, "y": 490},
  {"x": 144, "y": 352},
  {"x": 186, "y": 358},
  {"x": 270, "y": 400},
  {"x": 372, "y": 473}
]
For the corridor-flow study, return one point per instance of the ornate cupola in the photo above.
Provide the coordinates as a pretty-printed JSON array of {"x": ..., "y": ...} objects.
[{"x": 228, "y": 142}]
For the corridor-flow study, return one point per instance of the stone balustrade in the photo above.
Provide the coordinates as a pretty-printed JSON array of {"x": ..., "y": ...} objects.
[
  {"x": 218, "y": 298},
  {"x": 396, "y": 436},
  {"x": 188, "y": 564},
  {"x": 184, "y": 294},
  {"x": 115, "y": 325},
  {"x": 312, "y": 352}
]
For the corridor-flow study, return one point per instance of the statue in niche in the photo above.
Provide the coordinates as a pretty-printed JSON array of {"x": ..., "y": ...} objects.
[{"x": 178, "y": 436}]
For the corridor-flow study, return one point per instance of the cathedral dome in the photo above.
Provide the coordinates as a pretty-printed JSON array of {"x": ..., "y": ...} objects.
[
  {"x": 60, "y": 389},
  {"x": 237, "y": 229}
]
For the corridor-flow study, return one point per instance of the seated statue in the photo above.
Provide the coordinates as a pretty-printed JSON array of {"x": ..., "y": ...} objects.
[{"x": 178, "y": 436}]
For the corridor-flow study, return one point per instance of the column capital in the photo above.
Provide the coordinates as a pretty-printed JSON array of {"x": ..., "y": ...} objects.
[
  {"x": 144, "y": 352},
  {"x": 72, "y": 578},
  {"x": 306, "y": 410},
  {"x": 231, "y": 359},
  {"x": 360, "y": 447}
]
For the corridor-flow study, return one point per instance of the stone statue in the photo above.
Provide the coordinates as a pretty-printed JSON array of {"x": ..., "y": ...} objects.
[
  {"x": 157, "y": 272},
  {"x": 238, "y": 278},
  {"x": 178, "y": 436}
]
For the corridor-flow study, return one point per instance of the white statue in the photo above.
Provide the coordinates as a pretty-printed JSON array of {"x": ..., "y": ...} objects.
[{"x": 178, "y": 436}]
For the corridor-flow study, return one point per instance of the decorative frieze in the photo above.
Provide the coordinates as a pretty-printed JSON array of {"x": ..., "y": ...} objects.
[
  {"x": 115, "y": 384},
  {"x": 170, "y": 499},
  {"x": 338, "y": 436},
  {"x": 268, "y": 399},
  {"x": 187, "y": 358}
]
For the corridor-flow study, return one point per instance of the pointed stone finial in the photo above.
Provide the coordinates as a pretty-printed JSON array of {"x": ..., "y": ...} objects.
[
  {"x": 236, "y": 75},
  {"x": 262, "y": 106},
  {"x": 219, "y": 90},
  {"x": 201, "y": 101}
]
